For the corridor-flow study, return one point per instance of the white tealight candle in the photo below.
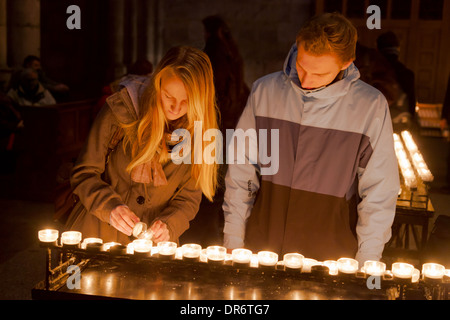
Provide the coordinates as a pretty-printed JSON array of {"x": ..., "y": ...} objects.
[
  {"x": 142, "y": 246},
  {"x": 71, "y": 238},
  {"x": 374, "y": 268},
  {"x": 48, "y": 235},
  {"x": 308, "y": 263},
  {"x": 254, "y": 261},
  {"x": 433, "y": 270},
  {"x": 241, "y": 256},
  {"x": 332, "y": 266},
  {"x": 347, "y": 265},
  {"x": 447, "y": 273},
  {"x": 130, "y": 248},
  {"x": 90, "y": 240},
  {"x": 191, "y": 250},
  {"x": 415, "y": 276},
  {"x": 267, "y": 258},
  {"x": 203, "y": 257},
  {"x": 402, "y": 270},
  {"x": 179, "y": 253},
  {"x": 216, "y": 253},
  {"x": 293, "y": 260},
  {"x": 167, "y": 248}
]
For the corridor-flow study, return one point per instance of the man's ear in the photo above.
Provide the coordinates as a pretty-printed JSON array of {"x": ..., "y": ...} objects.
[{"x": 346, "y": 65}]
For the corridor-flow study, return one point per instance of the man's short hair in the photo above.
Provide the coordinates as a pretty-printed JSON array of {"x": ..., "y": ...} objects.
[{"x": 329, "y": 33}]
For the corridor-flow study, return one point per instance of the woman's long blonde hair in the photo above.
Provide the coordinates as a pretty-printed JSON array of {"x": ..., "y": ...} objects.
[{"x": 146, "y": 136}]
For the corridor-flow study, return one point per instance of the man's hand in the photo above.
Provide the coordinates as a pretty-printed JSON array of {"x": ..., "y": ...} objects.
[{"x": 123, "y": 219}]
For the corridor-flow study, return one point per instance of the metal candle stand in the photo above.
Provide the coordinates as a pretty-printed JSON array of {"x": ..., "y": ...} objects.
[{"x": 396, "y": 288}]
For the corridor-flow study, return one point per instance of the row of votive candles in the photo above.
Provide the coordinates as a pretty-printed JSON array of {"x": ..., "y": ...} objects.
[{"x": 245, "y": 257}]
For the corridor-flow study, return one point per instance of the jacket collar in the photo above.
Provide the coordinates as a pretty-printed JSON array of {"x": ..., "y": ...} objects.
[{"x": 125, "y": 103}]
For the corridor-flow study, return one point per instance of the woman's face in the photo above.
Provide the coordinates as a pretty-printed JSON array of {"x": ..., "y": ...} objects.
[{"x": 174, "y": 97}]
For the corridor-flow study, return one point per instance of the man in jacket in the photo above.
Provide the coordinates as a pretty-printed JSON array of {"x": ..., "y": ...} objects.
[{"x": 334, "y": 193}]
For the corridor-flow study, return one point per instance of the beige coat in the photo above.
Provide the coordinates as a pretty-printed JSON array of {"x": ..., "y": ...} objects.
[{"x": 99, "y": 196}]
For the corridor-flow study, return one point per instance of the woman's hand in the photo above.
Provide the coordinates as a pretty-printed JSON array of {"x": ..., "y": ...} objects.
[
  {"x": 123, "y": 219},
  {"x": 160, "y": 231}
]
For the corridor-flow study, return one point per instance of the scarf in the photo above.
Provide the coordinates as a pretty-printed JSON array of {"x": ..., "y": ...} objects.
[{"x": 152, "y": 171}]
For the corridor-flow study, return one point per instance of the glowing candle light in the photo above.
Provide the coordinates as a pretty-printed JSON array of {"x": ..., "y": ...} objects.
[
  {"x": 374, "y": 268},
  {"x": 433, "y": 270},
  {"x": 216, "y": 253},
  {"x": 402, "y": 270},
  {"x": 179, "y": 253},
  {"x": 90, "y": 240},
  {"x": 332, "y": 266},
  {"x": 267, "y": 258},
  {"x": 48, "y": 235},
  {"x": 308, "y": 263},
  {"x": 254, "y": 260},
  {"x": 71, "y": 238},
  {"x": 142, "y": 246},
  {"x": 447, "y": 273},
  {"x": 203, "y": 257},
  {"x": 241, "y": 256},
  {"x": 347, "y": 265},
  {"x": 107, "y": 246},
  {"x": 415, "y": 276},
  {"x": 417, "y": 158},
  {"x": 130, "y": 248},
  {"x": 404, "y": 163},
  {"x": 293, "y": 260},
  {"x": 191, "y": 251},
  {"x": 167, "y": 249}
]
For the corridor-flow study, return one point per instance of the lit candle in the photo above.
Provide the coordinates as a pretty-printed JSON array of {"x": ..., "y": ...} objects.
[
  {"x": 203, "y": 257},
  {"x": 179, "y": 253},
  {"x": 254, "y": 260},
  {"x": 71, "y": 238},
  {"x": 142, "y": 246},
  {"x": 90, "y": 240},
  {"x": 417, "y": 158},
  {"x": 107, "y": 246},
  {"x": 130, "y": 248},
  {"x": 447, "y": 273},
  {"x": 308, "y": 263},
  {"x": 415, "y": 276},
  {"x": 216, "y": 253},
  {"x": 241, "y": 256},
  {"x": 118, "y": 249},
  {"x": 404, "y": 163},
  {"x": 293, "y": 260},
  {"x": 191, "y": 251},
  {"x": 267, "y": 258},
  {"x": 167, "y": 249},
  {"x": 332, "y": 266},
  {"x": 433, "y": 270},
  {"x": 48, "y": 235},
  {"x": 347, "y": 265},
  {"x": 374, "y": 268},
  {"x": 402, "y": 270}
]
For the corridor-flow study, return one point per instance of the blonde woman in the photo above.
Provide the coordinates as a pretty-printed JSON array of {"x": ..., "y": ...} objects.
[{"x": 138, "y": 181}]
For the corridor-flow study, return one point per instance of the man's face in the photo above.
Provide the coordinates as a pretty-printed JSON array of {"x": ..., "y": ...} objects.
[
  {"x": 317, "y": 71},
  {"x": 35, "y": 65}
]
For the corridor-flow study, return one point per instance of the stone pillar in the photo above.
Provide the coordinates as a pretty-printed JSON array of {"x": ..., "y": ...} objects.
[
  {"x": 23, "y": 30},
  {"x": 116, "y": 20}
]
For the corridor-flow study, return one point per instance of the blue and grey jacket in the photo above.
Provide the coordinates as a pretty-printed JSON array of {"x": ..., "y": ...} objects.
[{"x": 334, "y": 193}]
